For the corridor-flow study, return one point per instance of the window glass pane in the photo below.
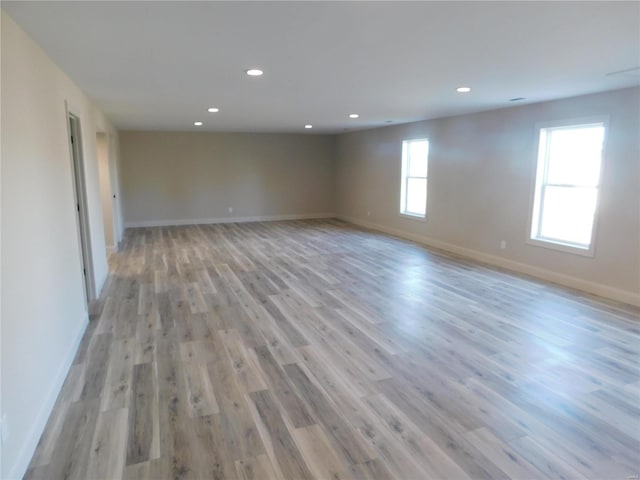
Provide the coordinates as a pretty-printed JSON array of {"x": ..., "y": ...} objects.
[
  {"x": 418, "y": 155},
  {"x": 416, "y": 196},
  {"x": 568, "y": 214},
  {"x": 574, "y": 156}
]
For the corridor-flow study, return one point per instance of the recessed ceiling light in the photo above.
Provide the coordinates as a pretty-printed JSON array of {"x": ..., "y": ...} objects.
[
  {"x": 254, "y": 72},
  {"x": 197, "y": 124},
  {"x": 463, "y": 89},
  {"x": 353, "y": 115},
  {"x": 308, "y": 126},
  {"x": 213, "y": 110}
]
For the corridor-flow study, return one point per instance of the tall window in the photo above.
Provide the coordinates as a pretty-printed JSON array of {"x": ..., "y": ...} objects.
[
  {"x": 413, "y": 190},
  {"x": 567, "y": 183}
]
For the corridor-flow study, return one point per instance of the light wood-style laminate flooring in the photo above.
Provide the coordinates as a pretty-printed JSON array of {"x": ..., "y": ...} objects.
[{"x": 315, "y": 349}]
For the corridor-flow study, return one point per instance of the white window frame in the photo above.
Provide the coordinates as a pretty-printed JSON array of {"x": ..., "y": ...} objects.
[
  {"x": 404, "y": 179},
  {"x": 539, "y": 177}
]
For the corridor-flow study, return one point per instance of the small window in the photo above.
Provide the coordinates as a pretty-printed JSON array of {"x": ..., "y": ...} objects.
[
  {"x": 567, "y": 183},
  {"x": 413, "y": 190}
]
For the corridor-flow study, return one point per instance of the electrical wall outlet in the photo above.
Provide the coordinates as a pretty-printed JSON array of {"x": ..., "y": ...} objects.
[
  {"x": 230, "y": 209},
  {"x": 503, "y": 244},
  {"x": 368, "y": 214}
]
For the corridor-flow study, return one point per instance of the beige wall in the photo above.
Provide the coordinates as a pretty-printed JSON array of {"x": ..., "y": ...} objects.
[
  {"x": 481, "y": 173},
  {"x": 43, "y": 308},
  {"x": 104, "y": 174},
  {"x": 171, "y": 178}
]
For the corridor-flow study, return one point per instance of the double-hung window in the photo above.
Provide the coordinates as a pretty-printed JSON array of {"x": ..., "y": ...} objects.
[
  {"x": 413, "y": 188},
  {"x": 567, "y": 184}
]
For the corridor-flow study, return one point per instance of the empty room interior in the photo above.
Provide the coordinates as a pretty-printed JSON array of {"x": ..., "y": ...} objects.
[{"x": 320, "y": 240}]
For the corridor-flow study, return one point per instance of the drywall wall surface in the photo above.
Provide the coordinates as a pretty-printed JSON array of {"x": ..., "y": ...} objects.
[
  {"x": 104, "y": 172},
  {"x": 481, "y": 178},
  {"x": 171, "y": 177},
  {"x": 43, "y": 307},
  {"x": 115, "y": 161}
]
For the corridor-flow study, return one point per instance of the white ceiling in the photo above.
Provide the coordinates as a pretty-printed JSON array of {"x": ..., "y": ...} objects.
[{"x": 159, "y": 65}]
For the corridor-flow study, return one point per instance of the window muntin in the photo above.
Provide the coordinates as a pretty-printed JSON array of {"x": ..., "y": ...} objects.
[{"x": 415, "y": 162}]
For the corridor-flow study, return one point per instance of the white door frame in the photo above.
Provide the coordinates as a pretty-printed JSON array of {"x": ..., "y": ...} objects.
[{"x": 80, "y": 202}]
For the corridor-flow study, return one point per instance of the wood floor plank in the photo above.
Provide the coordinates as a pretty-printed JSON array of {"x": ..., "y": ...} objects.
[
  {"x": 201, "y": 398},
  {"x": 287, "y": 326},
  {"x": 399, "y": 462},
  {"x": 138, "y": 471},
  {"x": 243, "y": 361},
  {"x": 165, "y": 317},
  {"x": 95, "y": 373},
  {"x": 117, "y": 388},
  {"x": 212, "y": 453},
  {"x": 146, "y": 325},
  {"x": 333, "y": 374},
  {"x": 126, "y": 320},
  {"x": 319, "y": 455},
  {"x": 258, "y": 468},
  {"x": 146, "y": 299},
  {"x": 108, "y": 316},
  {"x": 239, "y": 427},
  {"x": 545, "y": 460},
  {"x": 446, "y": 434},
  {"x": 371, "y": 470},
  {"x": 507, "y": 459},
  {"x": 70, "y": 457},
  {"x": 195, "y": 298},
  {"x": 176, "y": 452},
  {"x": 434, "y": 461},
  {"x": 109, "y": 445},
  {"x": 143, "y": 440},
  {"x": 348, "y": 443},
  {"x": 282, "y": 389},
  {"x": 280, "y": 446}
]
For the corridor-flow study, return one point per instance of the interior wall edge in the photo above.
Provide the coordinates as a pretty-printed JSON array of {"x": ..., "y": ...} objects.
[
  {"x": 205, "y": 221},
  {"x": 48, "y": 401},
  {"x": 101, "y": 282},
  {"x": 611, "y": 293}
]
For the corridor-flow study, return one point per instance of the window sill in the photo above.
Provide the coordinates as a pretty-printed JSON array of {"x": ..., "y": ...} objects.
[
  {"x": 413, "y": 217},
  {"x": 561, "y": 247}
]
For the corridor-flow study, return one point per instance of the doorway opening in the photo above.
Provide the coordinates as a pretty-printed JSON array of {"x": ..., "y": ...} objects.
[
  {"x": 80, "y": 197},
  {"x": 107, "y": 191}
]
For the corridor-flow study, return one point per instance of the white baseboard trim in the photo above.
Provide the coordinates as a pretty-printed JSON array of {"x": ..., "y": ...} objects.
[
  {"x": 612, "y": 293},
  {"x": 204, "y": 221},
  {"x": 48, "y": 401}
]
